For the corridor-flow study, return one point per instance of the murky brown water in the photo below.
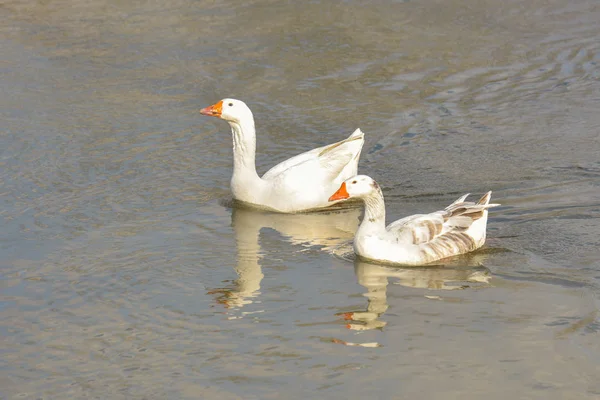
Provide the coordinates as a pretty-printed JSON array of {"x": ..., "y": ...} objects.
[{"x": 126, "y": 274}]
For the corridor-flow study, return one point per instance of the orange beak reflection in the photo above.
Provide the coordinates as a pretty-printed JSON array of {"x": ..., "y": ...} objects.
[
  {"x": 341, "y": 194},
  {"x": 214, "y": 110}
]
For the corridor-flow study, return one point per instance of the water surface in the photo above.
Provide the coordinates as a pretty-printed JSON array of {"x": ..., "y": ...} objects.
[{"x": 126, "y": 272}]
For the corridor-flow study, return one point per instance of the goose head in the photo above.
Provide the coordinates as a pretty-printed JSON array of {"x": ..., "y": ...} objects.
[
  {"x": 231, "y": 110},
  {"x": 359, "y": 186}
]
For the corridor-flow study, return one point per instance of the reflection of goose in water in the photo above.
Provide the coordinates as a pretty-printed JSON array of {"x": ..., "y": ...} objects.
[
  {"x": 326, "y": 229},
  {"x": 375, "y": 277}
]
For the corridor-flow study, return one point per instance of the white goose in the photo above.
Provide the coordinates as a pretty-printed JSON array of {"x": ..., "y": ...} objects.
[
  {"x": 418, "y": 239},
  {"x": 301, "y": 183}
]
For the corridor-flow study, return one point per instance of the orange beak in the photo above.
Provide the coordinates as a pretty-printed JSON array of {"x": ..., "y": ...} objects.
[
  {"x": 341, "y": 194},
  {"x": 214, "y": 110}
]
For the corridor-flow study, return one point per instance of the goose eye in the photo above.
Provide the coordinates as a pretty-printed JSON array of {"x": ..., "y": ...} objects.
[
  {"x": 353, "y": 182},
  {"x": 230, "y": 104}
]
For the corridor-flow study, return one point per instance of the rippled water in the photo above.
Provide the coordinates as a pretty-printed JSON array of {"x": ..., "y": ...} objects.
[{"x": 127, "y": 273}]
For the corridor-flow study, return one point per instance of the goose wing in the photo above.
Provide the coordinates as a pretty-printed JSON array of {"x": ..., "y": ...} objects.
[
  {"x": 443, "y": 233},
  {"x": 327, "y": 161}
]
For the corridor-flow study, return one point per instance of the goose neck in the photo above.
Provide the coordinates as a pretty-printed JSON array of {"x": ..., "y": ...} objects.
[
  {"x": 244, "y": 149},
  {"x": 374, "y": 219}
]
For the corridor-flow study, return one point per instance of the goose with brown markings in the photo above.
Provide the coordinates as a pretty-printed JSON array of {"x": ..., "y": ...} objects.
[{"x": 417, "y": 239}]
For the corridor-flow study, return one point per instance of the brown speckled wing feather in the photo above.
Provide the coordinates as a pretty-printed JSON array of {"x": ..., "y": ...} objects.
[{"x": 443, "y": 233}]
